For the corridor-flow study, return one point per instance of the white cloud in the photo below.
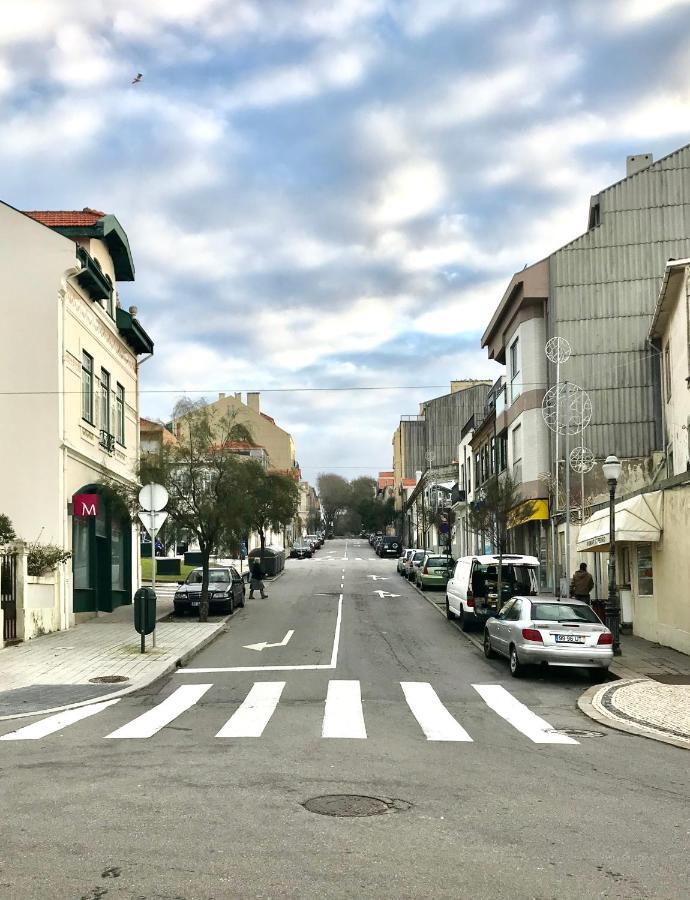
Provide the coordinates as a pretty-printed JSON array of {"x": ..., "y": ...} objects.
[
  {"x": 420, "y": 17},
  {"x": 413, "y": 188}
]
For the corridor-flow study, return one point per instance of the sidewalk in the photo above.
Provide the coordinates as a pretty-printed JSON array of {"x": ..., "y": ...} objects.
[
  {"x": 57, "y": 671},
  {"x": 651, "y": 697}
]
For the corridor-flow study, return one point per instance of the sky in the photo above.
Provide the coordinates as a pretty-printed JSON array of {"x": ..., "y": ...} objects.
[{"x": 332, "y": 194}]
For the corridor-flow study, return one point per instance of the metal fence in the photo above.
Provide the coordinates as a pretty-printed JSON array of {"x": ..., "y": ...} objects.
[{"x": 8, "y": 595}]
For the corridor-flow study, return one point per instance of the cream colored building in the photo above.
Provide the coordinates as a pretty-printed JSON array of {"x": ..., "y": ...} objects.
[
  {"x": 309, "y": 509},
  {"x": 69, "y": 357}
]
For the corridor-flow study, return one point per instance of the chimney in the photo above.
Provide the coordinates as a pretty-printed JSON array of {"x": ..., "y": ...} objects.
[
  {"x": 636, "y": 163},
  {"x": 221, "y": 396},
  {"x": 253, "y": 401}
]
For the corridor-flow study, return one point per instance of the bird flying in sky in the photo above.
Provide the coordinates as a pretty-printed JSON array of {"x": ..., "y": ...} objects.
[{"x": 138, "y": 78}]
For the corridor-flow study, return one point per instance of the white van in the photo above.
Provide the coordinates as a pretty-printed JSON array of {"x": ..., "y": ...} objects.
[{"x": 471, "y": 592}]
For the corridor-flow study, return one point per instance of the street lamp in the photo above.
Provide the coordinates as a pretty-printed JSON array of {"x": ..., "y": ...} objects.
[{"x": 612, "y": 472}]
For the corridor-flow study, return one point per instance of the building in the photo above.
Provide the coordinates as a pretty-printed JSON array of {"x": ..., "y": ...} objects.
[
  {"x": 309, "y": 512},
  {"x": 70, "y": 357},
  {"x": 154, "y": 435},
  {"x": 598, "y": 292}
]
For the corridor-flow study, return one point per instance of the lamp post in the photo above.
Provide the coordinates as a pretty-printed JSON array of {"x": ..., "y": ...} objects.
[{"x": 612, "y": 472}]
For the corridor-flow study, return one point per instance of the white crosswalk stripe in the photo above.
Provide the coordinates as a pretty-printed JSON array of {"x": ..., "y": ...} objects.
[
  {"x": 343, "y": 716},
  {"x": 57, "y": 722},
  {"x": 164, "y": 713},
  {"x": 255, "y": 712},
  {"x": 530, "y": 724},
  {"x": 434, "y": 719}
]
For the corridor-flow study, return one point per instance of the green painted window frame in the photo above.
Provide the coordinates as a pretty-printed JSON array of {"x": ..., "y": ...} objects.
[
  {"x": 87, "y": 387},
  {"x": 104, "y": 418},
  {"x": 120, "y": 414}
]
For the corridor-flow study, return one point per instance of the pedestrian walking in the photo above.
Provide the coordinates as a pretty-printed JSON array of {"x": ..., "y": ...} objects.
[
  {"x": 256, "y": 580},
  {"x": 582, "y": 584}
]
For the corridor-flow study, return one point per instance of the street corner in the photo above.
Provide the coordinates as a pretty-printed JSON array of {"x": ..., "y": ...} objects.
[{"x": 643, "y": 707}]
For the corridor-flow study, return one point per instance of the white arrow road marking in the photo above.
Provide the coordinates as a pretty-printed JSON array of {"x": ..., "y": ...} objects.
[
  {"x": 55, "y": 723},
  {"x": 378, "y": 577},
  {"x": 146, "y": 725},
  {"x": 263, "y": 645},
  {"x": 435, "y": 720},
  {"x": 255, "y": 712},
  {"x": 383, "y": 594},
  {"x": 343, "y": 716},
  {"x": 502, "y": 702}
]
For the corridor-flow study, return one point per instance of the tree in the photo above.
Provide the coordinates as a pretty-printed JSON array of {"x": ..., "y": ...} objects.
[
  {"x": 272, "y": 499},
  {"x": 335, "y": 495},
  {"x": 500, "y": 504},
  {"x": 6, "y": 530},
  {"x": 206, "y": 484}
]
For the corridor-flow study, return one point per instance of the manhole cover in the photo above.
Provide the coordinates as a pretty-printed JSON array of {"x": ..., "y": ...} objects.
[
  {"x": 108, "y": 679},
  {"x": 577, "y": 732},
  {"x": 353, "y": 805}
]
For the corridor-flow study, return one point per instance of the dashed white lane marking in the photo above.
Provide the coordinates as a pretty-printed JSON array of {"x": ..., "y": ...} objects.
[
  {"x": 343, "y": 717},
  {"x": 255, "y": 712},
  {"x": 150, "y": 722},
  {"x": 519, "y": 716},
  {"x": 54, "y": 723},
  {"x": 434, "y": 719}
]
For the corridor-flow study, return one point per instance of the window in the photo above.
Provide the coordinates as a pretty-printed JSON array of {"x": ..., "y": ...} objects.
[
  {"x": 117, "y": 555},
  {"x": 463, "y": 487},
  {"x": 492, "y": 457},
  {"x": 667, "y": 371},
  {"x": 477, "y": 471},
  {"x": 105, "y": 401},
  {"x": 502, "y": 452},
  {"x": 87, "y": 387},
  {"x": 81, "y": 553},
  {"x": 120, "y": 414},
  {"x": 514, "y": 370},
  {"x": 517, "y": 453},
  {"x": 645, "y": 573}
]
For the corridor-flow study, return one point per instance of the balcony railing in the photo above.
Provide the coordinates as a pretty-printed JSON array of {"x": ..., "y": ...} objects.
[
  {"x": 92, "y": 277},
  {"x": 107, "y": 441}
]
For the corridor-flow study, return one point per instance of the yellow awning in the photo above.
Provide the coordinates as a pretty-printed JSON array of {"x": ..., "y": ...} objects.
[{"x": 528, "y": 511}]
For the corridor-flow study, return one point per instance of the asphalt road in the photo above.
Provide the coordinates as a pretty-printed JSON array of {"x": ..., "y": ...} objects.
[{"x": 116, "y": 806}]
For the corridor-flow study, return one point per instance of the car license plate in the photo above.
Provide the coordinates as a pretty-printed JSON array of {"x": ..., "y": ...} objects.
[
  {"x": 439, "y": 572},
  {"x": 569, "y": 639},
  {"x": 195, "y": 603}
]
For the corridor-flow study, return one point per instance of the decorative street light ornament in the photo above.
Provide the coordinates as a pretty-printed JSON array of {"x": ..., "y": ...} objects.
[
  {"x": 566, "y": 408},
  {"x": 582, "y": 460},
  {"x": 557, "y": 350}
]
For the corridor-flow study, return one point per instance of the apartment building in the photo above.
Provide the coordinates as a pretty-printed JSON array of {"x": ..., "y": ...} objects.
[{"x": 70, "y": 357}]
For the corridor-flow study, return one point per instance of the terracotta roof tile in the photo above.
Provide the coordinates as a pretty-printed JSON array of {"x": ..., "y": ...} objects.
[{"x": 61, "y": 218}]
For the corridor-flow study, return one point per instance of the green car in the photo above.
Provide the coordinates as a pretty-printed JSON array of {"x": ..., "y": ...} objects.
[{"x": 434, "y": 571}]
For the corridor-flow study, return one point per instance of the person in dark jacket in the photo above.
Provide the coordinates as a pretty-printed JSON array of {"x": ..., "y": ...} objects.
[
  {"x": 256, "y": 579},
  {"x": 582, "y": 583}
]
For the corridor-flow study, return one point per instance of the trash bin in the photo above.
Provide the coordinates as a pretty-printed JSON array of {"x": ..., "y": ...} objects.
[
  {"x": 145, "y": 610},
  {"x": 272, "y": 560}
]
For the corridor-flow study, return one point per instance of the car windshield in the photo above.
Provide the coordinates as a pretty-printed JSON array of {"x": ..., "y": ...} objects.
[
  {"x": 438, "y": 561},
  {"x": 419, "y": 556},
  {"x": 563, "y": 612},
  {"x": 215, "y": 576}
]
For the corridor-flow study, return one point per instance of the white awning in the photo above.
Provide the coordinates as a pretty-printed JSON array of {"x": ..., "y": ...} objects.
[{"x": 638, "y": 519}]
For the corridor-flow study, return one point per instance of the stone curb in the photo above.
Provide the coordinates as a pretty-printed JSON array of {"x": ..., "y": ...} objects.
[
  {"x": 142, "y": 682},
  {"x": 586, "y": 704}
]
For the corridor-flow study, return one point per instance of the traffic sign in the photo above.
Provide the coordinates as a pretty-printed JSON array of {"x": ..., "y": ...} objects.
[
  {"x": 153, "y": 497},
  {"x": 152, "y": 521}
]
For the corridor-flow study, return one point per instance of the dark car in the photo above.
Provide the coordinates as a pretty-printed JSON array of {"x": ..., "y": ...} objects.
[
  {"x": 225, "y": 591},
  {"x": 301, "y": 551},
  {"x": 390, "y": 545}
]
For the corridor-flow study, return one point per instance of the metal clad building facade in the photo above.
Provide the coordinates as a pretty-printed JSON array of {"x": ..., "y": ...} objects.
[
  {"x": 603, "y": 290},
  {"x": 413, "y": 439},
  {"x": 445, "y": 417}
]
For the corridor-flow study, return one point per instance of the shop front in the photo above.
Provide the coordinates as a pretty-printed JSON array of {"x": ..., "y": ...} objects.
[{"x": 101, "y": 551}]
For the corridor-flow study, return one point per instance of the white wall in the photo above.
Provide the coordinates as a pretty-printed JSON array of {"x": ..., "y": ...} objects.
[{"x": 678, "y": 405}]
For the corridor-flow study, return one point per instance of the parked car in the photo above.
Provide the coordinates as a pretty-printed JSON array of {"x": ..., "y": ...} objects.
[
  {"x": 412, "y": 563},
  {"x": 301, "y": 550},
  {"x": 549, "y": 631},
  {"x": 433, "y": 571},
  {"x": 225, "y": 590},
  {"x": 472, "y": 589},
  {"x": 377, "y": 541},
  {"x": 315, "y": 540},
  {"x": 389, "y": 545},
  {"x": 402, "y": 559}
]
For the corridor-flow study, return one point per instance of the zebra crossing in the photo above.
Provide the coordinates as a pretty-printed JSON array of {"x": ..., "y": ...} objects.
[{"x": 343, "y": 714}]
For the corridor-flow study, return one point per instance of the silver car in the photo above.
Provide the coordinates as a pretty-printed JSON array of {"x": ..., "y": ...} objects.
[
  {"x": 530, "y": 630},
  {"x": 402, "y": 559},
  {"x": 412, "y": 563}
]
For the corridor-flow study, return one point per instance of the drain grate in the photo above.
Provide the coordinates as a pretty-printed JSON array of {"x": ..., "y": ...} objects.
[
  {"x": 577, "y": 732},
  {"x": 108, "y": 679},
  {"x": 349, "y": 805}
]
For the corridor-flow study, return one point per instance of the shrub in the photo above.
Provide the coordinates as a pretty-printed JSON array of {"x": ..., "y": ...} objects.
[
  {"x": 44, "y": 558},
  {"x": 6, "y": 529}
]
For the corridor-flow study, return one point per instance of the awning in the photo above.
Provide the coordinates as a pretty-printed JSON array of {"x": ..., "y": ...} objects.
[
  {"x": 528, "y": 511},
  {"x": 638, "y": 519}
]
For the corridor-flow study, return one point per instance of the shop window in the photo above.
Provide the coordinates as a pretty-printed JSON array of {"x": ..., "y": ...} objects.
[
  {"x": 645, "y": 573},
  {"x": 117, "y": 555},
  {"x": 81, "y": 563}
]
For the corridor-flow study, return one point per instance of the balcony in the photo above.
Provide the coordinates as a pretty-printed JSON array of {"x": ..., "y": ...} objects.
[
  {"x": 107, "y": 441},
  {"x": 92, "y": 278}
]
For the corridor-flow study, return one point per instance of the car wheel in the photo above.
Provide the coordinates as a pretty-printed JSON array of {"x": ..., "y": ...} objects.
[
  {"x": 516, "y": 667},
  {"x": 178, "y": 611},
  {"x": 242, "y": 601},
  {"x": 596, "y": 676},
  {"x": 465, "y": 623},
  {"x": 449, "y": 613},
  {"x": 488, "y": 649},
  {"x": 420, "y": 585},
  {"x": 229, "y": 607}
]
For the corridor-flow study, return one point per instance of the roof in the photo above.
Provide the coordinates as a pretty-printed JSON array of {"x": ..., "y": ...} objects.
[
  {"x": 270, "y": 418},
  {"x": 68, "y": 218},
  {"x": 674, "y": 267}
]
